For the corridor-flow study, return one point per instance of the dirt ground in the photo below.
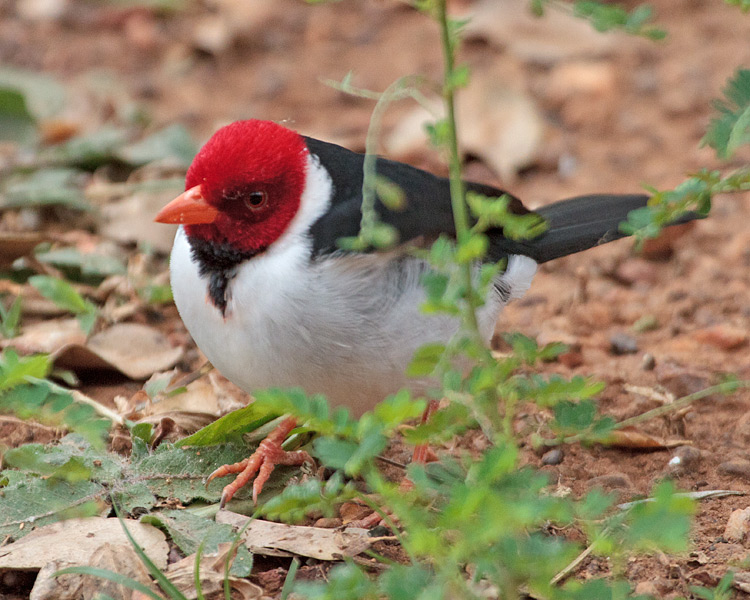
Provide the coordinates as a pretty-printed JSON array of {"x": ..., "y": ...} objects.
[{"x": 610, "y": 116}]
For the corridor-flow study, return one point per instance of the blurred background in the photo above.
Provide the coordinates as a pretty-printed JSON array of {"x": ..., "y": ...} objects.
[{"x": 103, "y": 105}]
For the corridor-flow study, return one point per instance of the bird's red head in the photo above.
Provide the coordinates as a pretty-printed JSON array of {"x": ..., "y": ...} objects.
[{"x": 244, "y": 186}]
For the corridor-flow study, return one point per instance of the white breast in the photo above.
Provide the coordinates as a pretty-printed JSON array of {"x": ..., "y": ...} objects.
[{"x": 346, "y": 327}]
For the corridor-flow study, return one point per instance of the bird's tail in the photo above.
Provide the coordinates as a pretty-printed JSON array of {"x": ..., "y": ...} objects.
[{"x": 584, "y": 222}]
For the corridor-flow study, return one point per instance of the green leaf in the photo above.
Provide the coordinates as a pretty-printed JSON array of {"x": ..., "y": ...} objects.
[
  {"x": 88, "y": 151},
  {"x": 574, "y": 416},
  {"x": 10, "y": 318},
  {"x": 87, "y": 264},
  {"x": 45, "y": 187},
  {"x": 231, "y": 427},
  {"x": 14, "y": 371},
  {"x": 743, "y": 4},
  {"x": 333, "y": 452},
  {"x": 295, "y": 502},
  {"x": 45, "y": 402},
  {"x": 662, "y": 524},
  {"x": 189, "y": 531},
  {"x": 61, "y": 293},
  {"x": 606, "y": 17},
  {"x": 30, "y": 502},
  {"x": 425, "y": 360},
  {"x": 731, "y": 128},
  {"x": 25, "y": 98},
  {"x": 390, "y": 194},
  {"x": 473, "y": 249},
  {"x": 173, "y": 143},
  {"x": 16, "y": 122}
]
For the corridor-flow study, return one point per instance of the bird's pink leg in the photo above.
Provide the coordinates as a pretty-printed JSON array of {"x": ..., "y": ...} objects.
[
  {"x": 263, "y": 461},
  {"x": 421, "y": 455},
  {"x": 422, "y": 452}
]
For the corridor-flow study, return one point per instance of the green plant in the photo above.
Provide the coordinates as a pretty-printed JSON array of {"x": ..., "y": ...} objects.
[
  {"x": 470, "y": 527},
  {"x": 64, "y": 295},
  {"x": 10, "y": 318}
]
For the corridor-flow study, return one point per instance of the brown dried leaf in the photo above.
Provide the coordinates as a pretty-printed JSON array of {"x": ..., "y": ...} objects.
[
  {"x": 48, "y": 336},
  {"x": 15, "y": 244},
  {"x": 279, "y": 539},
  {"x": 182, "y": 575},
  {"x": 630, "y": 437},
  {"x": 78, "y": 540},
  {"x": 134, "y": 350}
]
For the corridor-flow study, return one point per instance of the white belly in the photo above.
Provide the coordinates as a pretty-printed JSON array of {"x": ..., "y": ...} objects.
[{"x": 344, "y": 327}]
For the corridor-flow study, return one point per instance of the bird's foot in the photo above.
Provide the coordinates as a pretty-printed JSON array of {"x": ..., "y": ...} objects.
[{"x": 261, "y": 464}]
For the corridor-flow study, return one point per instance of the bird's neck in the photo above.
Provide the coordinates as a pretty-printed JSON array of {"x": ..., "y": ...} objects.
[{"x": 218, "y": 263}]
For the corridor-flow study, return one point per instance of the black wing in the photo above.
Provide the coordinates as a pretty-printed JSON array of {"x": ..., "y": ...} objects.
[
  {"x": 427, "y": 212},
  {"x": 574, "y": 225}
]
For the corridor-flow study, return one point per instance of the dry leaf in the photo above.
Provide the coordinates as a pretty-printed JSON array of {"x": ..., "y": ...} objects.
[
  {"x": 182, "y": 575},
  {"x": 499, "y": 124},
  {"x": 48, "y": 336},
  {"x": 630, "y": 437},
  {"x": 118, "y": 558},
  {"x": 131, "y": 220},
  {"x": 134, "y": 350},
  {"x": 15, "y": 244},
  {"x": 279, "y": 539},
  {"x": 212, "y": 394},
  {"x": 78, "y": 540},
  {"x": 558, "y": 36}
]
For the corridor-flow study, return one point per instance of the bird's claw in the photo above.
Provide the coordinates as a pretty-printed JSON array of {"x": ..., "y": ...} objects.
[{"x": 261, "y": 464}]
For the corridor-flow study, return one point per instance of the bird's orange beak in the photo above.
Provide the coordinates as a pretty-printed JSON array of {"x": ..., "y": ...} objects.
[{"x": 189, "y": 208}]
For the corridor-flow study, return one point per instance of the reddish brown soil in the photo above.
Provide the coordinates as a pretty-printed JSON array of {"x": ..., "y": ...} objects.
[{"x": 642, "y": 121}]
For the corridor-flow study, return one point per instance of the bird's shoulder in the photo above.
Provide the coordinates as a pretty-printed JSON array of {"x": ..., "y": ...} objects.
[{"x": 425, "y": 213}]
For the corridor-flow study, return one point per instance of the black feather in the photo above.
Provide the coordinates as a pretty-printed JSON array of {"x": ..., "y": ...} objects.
[{"x": 574, "y": 225}]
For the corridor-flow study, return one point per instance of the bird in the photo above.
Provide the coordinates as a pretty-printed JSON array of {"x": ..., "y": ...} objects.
[{"x": 272, "y": 300}]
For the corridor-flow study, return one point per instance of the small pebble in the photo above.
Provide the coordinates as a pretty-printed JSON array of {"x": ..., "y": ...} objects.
[
  {"x": 738, "y": 468},
  {"x": 738, "y": 525},
  {"x": 622, "y": 343},
  {"x": 611, "y": 482},
  {"x": 553, "y": 457},
  {"x": 685, "y": 459},
  {"x": 648, "y": 363}
]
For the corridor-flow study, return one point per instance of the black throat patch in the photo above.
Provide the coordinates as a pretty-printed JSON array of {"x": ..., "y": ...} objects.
[{"x": 218, "y": 262}]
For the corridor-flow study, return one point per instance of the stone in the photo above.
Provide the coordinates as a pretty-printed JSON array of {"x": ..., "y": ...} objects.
[
  {"x": 723, "y": 337},
  {"x": 738, "y": 525},
  {"x": 622, "y": 343},
  {"x": 553, "y": 457},
  {"x": 736, "y": 468}
]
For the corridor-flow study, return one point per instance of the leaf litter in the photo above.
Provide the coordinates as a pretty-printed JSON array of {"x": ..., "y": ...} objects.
[{"x": 578, "y": 165}]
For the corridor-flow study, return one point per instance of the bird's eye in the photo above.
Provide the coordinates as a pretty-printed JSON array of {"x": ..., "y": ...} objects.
[{"x": 255, "y": 200}]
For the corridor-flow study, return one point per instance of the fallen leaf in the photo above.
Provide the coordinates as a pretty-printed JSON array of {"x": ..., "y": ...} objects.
[
  {"x": 182, "y": 575},
  {"x": 212, "y": 394},
  {"x": 15, "y": 244},
  {"x": 558, "y": 36},
  {"x": 118, "y": 558},
  {"x": 133, "y": 349},
  {"x": 131, "y": 220},
  {"x": 78, "y": 540},
  {"x": 499, "y": 124},
  {"x": 47, "y": 336},
  {"x": 630, "y": 437},
  {"x": 279, "y": 539},
  {"x": 722, "y": 337}
]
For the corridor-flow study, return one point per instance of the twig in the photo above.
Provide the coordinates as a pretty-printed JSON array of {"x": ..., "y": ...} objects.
[
  {"x": 393, "y": 463},
  {"x": 104, "y": 411},
  {"x": 721, "y": 388},
  {"x": 204, "y": 369},
  {"x": 572, "y": 566}
]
